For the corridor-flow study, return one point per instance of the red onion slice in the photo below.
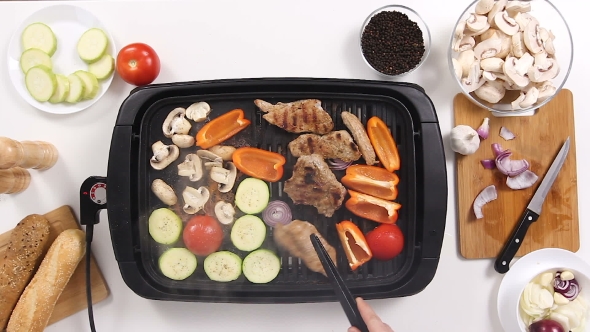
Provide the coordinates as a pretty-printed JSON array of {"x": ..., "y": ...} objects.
[
  {"x": 497, "y": 149},
  {"x": 277, "y": 212},
  {"x": 484, "y": 129},
  {"x": 506, "y": 134},
  {"x": 510, "y": 167},
  {"x": 338, "y": 165},
  {"x": 523, "y": 180},
  {"x": 488, "y": 163},
  {"x": 487, "y": 195},
  {"x": 568, "y": 288}
]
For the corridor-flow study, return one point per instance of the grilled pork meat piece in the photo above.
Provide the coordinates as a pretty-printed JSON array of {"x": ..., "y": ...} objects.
[
  {"x": 334, "y": 145},
  {"x": 313, "y": 183},
  {"x": 297, "y": 117},
  {"x": 360, "y": 136},
  {"x": 294, "y": 237}
]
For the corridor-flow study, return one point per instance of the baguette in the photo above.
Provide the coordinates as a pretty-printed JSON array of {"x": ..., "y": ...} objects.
[
  {"x": 26, "y": 246},
  {"x": 360, "y": 136},
  {"x": 35, "y": 306}
]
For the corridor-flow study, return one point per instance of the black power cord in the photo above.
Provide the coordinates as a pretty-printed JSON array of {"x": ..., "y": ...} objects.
[{"x": 89, "y": 234}]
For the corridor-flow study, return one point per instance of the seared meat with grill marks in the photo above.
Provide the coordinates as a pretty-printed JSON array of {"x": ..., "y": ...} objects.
[
  {"x": 360, "y": 136},
  {"x": 294, "y": 237},
  {"x": 297, "y": 117},
  {"x": 334, "y": 145},
  {"x": 313, "y": 183}
]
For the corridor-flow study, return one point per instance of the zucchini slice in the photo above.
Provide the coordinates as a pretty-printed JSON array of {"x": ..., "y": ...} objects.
[
  {"x": 33, "y": 57},
  {"x": 76, "y": 89},
  {"x": 252, "y": 195},
  {"x": 248, "y": 233},
  {"x": 223, "y": 266},
  {"x": 62, "y": 90},
  {"x": 164, "y": 226},
  {"x": 40, "y": 36},
  {"x": 261, "y": 266},
  {"x": 103, "y": 68},
  {"x": 92, "y": 45},
  {"x": 40, "y": 82},
  {"x": 90, "y": 84},
  {"x": 177, "y": 263}
]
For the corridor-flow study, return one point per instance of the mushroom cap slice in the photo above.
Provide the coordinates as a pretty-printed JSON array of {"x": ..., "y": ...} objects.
[
  {"x": 224, "y": 212},
  {"x": 492, "y": 64},
  {"x": 164, "y": 155},
  {"x": 517, "y": 45},
  {"x": 466, "y": 59},
  {"x": 194, "y": 199},
  {"x": 544, "y": 71},
  {"x": 457, "y": 68},
  {"x": 224, "y": 151},
  {"x": 191, "y": 167},
  {"x": 198, "y": 112},
  {"x": 176, "y": 123},
  {"x": 531, "y": 96},
  {"x": 514, "y": 7},
  {"x": 498, "y": 7},
  {"x": 546, "y": 90},
  {"x": 484, "y": 6},
  {"x": 183, "y": 141},
  {"x": 477, "y": 23},
  {"x": 473, "y": 81},
  {"x": 513, "y": 68},
  {"x": 506, "y": 23},
  {"x": 226, "y": 177},
  {"x": 488, "y": 48},
  {"x": 532, "y": 38},
  {"x": 491, "y": 92},
  {"x": 164, "y": 192}
]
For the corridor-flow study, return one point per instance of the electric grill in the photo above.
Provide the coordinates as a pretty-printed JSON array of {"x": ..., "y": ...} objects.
[{"x": 405, "y": 108}]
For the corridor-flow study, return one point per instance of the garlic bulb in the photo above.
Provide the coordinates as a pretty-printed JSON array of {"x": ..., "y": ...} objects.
[{"x": 464, "y": 140}]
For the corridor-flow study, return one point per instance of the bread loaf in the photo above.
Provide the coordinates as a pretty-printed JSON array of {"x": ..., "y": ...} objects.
[
  {"x": 35, "y": 306},
  {"x": 26, "y": 246}
]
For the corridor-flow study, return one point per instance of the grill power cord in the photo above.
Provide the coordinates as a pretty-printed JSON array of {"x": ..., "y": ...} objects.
[{"x": 89, "y": 234}]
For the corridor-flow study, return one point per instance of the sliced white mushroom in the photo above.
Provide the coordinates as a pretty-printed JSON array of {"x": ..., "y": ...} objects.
[
  {"x": 210, "y": 159},
  {"x": 488, "y": 76},
  {"x": 183, "y": 141},
  {"x": 164, "y": 192},
  {"x": 225, "y": 177},
  {"x": 466, "y": 59},
  {"x": 176, "y": 123},
  {"x": 491, "y": 91},
  {"x": 547, "y": 37},
  {"x": 484, "y": 6},
  {"x": 518, "y": 48},
  {"x": 198, "y": 112},
  {"x": 458, "y": 34},
  {"x": 523, "y": 19},
  {"x": 506, "y": 23},
  {"x": 491, "y": 32},
  {"x": 546, "y": 90},
  {"x": 225, "y": 212},
  {"x": 544, "y": 70},
  {"x": 488, "y": 48},
  {"x": 191, "y": 167},
  {"x": 516, "y": 103},
  {"x": 506, "y": 44},
  {"x": 516, "y": 69},
  {"x": 163, "y": 155},
  {"x": 476, "y": 24},
  {"x": 514, "y": 7},
  {"x": 531, "y": 96},
  {"x": 224, "y": 151},
  {"x": 532, "y": 38},
  {"x": 457, "y": 68},
  {"x": 473, "y": 81},
  {"x": 498, "y": 7},
  {"x": 466, "y": 43},
  {"x": 492, "y": 64},
  {"x": 194, "y": 199}
]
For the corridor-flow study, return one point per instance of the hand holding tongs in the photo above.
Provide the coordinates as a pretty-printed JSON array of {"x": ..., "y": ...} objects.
[{"x": 342, "y": 292}]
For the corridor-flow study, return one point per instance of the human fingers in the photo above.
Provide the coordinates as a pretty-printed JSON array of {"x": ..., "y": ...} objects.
[
  {"x": 353, "y": 329},
  {"x": 372, "y": 320}
]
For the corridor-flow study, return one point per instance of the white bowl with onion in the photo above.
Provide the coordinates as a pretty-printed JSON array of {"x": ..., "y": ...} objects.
[{"x": 527, "y": 299}]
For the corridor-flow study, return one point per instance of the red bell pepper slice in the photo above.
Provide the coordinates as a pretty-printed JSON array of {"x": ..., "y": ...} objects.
[
  {"x": 354, "y": 243},
  {"x": 372, "y": 208},
  {"x": 371, "y": 180},
  {"x": 259, "y": 163},
  {"x": 383, "y": 143},
  {"x": 221, "y": 128}
]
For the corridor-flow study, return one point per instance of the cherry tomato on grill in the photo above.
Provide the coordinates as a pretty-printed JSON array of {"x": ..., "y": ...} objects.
[
  {"x": 138, "y": 64},
  {"x": 202, "y": 235},
  {"x": 386, "y": 241}
]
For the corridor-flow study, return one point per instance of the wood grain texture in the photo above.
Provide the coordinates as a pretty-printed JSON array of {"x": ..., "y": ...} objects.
[
  {"x": 539, "y": 138},
  {"x": 73, "y": 298}
]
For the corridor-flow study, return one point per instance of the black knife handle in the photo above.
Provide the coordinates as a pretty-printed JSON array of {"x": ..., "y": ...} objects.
[{"x": 502, "y": 264}]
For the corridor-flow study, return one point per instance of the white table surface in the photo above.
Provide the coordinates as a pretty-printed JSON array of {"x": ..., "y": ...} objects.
[{"x": 204, "y": 40}]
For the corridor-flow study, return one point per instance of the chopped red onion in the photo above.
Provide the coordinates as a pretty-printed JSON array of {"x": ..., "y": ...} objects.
[
  {"x": 523, "y": 180},
  {"x": 510, "y": 167},
  {"x": 568, "y": 288},
  {"x": 338, "y": 165},
  {"x": 484, "y": 129},
  {"x": 277, "y": 212},
  {"x": 497, "y": 149},
  {"x": 506, "y": 134},
  {"x": 487, "y": 195},
  {"x": 488, "y": 163}
]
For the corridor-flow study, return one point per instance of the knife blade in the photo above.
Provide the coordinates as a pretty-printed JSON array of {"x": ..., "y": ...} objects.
[{"x": 532, "y": 211}]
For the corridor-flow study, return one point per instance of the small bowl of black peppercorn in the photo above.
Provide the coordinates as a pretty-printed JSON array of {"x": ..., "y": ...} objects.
[{"x": 395, "y": 41}]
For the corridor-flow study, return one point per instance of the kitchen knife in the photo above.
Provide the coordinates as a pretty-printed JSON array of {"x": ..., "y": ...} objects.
[{"x": 532, "y": 212}]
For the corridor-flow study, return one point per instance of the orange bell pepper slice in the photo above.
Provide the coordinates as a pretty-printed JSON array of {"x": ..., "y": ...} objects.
[
  {"x": 354, "y": 243},
  {"x": 371, "y": 180},
  {"x": 221, "y": 128},
  {"x": 383, "y": 143},
  {"x": 259, "y": 163},
  {"x": 372, "y": 208}
]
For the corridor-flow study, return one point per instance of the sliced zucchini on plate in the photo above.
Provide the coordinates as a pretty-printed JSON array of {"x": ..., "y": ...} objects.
[
  {"x": 62, "y": 90},
  {"x": 103, "y": 68},
  {"x": 90, "y": 84},
  {"x": 32, "y": 57},
  {"x": 76, "y": 89},
  {"x": 40, "y": 36},
  {"x": 92, "y": 45},
  {"x": 177, "y": 263},
  {"x": 40, "y": 82},
  {"x": 223, "y": 266}
]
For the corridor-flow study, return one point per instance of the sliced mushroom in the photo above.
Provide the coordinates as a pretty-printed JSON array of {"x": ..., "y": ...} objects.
[
  {"x": 484, "y": 6},
  {"x": 514, "y": 7},
  {"x": 492, "y": 64},
  {"x": 457, "y": 68},
  {"x": 226, "y": 177},
  {"x": 523, "y": 19},
  {"x": 458, "y": 34},
  {"x": 491, "y": 32},
  {"x": 464, "y": 44},
  {"x": 498, "y": 7},
  {"x": 518, "y": 47},
  {"x": 164, "y": 192},
  {"x": 466, "y": 59},
  {"x": 516, "y": 69},
  {"x": 506, "y": 44},
  {"x": 210, "y": 159},
  {"x": 476, "y": 24},
  {"x": 183, "y": 141},
  {"x": 543, "y": 68},
  {"x": 532, "y": 37},
  {"x": 491, "y": 91},
  {"x": 224, "y": 212},
  {"x": 473, "y": 81},
  {"x": 489, "y": 76},
  {"x": 547, "y": 37},
  {"x": 191, "y": 167},
  {"x": 176, "y": 123},
  {"x": 488, "y": 48},
  {"x": 546, "y": 90},
  {"x": 531, "y": 96},
  {"x": 224, "y": 151},
  {"x": 516, "y": 103},
  {"x": 198, "y": 112},
  {"x": 164, "y": 155},
  {"x": 194, "y": 199},
  {"x": 506, "y": 23}
]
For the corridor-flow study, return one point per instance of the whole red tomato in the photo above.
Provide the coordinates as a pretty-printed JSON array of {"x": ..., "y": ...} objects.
[
  {"x": 138, "y": 64},
  {"x": 202, "y": 235},
  {"x": 386, "y": 241}
]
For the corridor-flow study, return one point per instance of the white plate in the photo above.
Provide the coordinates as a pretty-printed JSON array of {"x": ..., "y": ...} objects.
[
  {"x": 68, "y": 24},
  {"x": 524, "y": 270}
]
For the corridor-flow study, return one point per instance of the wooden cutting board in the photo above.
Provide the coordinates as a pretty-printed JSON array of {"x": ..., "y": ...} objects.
[
  {"x": 73, "y": 298},
  {"x": 539, "y": 138}
]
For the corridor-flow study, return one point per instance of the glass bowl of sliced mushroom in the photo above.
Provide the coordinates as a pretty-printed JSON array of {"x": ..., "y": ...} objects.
[{"x": 511, "y": 56}]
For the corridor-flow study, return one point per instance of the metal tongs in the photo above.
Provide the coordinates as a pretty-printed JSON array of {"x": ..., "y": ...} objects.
[{"x": 342, "y": 292}]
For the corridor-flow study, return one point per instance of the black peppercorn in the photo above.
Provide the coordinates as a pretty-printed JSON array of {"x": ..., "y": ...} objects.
[{"x": 392, "y": 43}]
